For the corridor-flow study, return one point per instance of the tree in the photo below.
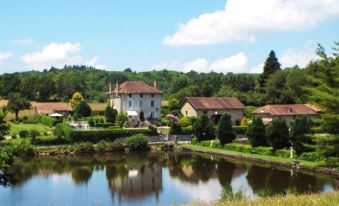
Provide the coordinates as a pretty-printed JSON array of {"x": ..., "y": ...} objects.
[
  {"x": 244, "y": 122},
  {"x": 224, "y": 131},
  {"x": 271, "y": 65},
  {"x": 110, "y": 114},
  {"x": 76, "y": 99},
  {"x": 121, "y": 119},
  {"x": 256, "y": 132},
  {"x": 173, "y": 104},
  {"x": 276, "y": 89},
  {"x": 277, "y": 134},
  {"x": 175, "y": 129},
  {"x": 4, "y": 126},
  {"x": 16, "y": 103},
  {"x": 299, "y": 128},
  {"x": 203, "y": 128},
  {"x": 83, "y": 110}
]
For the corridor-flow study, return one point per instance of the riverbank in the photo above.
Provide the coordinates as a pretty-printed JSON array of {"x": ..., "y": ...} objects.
[
  {"x": 271, "y": 160},
  {"x": 320, "y": 199}
]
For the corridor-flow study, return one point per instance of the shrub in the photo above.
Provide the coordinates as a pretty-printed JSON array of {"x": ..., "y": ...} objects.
[
  {"x": 85, "y": 147},
  {"x": 14, "y": 136},
  {"x": 311, "y": 156},
  {"x": 138, "y": 142},
  {"x": 102, "y": 146},
  {"x": 110, "y": 114},
  {"x": 121, "y": 119},
  {"x": 116, "y": 147},
  {"x": 277, "y": 134},
  {"x": 82, "y": 110},
  {"x": 175, "y": 129},
  {"x": 332, "y": 162},
  {"x": 299, "y": 128},
  {"x": 48, "y": 121},
  {"x": 203, "y": 128},
  {"x": 24, "y": 133},
  {"x": 62, "y": 130},
  {"x": 256, "y": 133},
  {"x": 239, "y": 129},
  {"x": 224, "y": 131},
  {"x": 34, "y": 133},
  {"x": 238, "y": 147},
  {"x": 282, "y": 153},
  {"x": 185, "y": 122}
]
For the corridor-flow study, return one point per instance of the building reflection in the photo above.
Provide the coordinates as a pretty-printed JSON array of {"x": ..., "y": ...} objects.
[{"x": 135, "y": 183}]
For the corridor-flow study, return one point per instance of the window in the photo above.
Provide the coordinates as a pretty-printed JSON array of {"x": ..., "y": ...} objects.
[
  {"x": 129, "y": 103},
  {"x": 141, "y": 95},
  {"x": 130, "y": 95},
  {"x": 152, "y": 95},
  {"x": 204, "y": 112},
  {"x": 186, "y": 113},
  {"x": 152, "y": 103},
  {"x": 141, "y": 103}
]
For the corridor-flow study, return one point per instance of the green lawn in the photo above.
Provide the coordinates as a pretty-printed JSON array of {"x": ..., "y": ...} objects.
[
  {"x": 241, "y": 154},
  {"x": 16, "y": 128}
]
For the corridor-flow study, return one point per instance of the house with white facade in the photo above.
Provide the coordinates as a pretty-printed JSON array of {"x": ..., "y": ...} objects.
[{"x": 137, "y": 99}]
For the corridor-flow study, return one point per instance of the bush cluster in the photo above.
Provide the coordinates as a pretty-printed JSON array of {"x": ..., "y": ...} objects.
[{"x": 138, "y": 142}]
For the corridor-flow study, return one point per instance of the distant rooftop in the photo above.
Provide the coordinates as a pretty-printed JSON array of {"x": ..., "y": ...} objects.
[
  {"x": 136, "y": 87},
  {"x": 288, "y": 109}
]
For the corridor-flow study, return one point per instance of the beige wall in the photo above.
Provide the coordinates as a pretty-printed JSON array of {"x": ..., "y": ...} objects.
[
  {"x": 236, "y": 114},
  {"x": 288, "y": 118},
  {"x": 188, "y": 110}
]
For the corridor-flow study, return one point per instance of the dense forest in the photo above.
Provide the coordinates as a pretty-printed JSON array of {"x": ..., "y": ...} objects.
[{"x": 273, "y": 85}]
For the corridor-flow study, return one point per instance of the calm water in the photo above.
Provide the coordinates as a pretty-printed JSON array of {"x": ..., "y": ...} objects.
[{"x": 147, "y": 179}]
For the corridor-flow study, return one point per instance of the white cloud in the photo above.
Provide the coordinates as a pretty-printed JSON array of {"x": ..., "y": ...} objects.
[
  {"x": 298, "y": 56},
  {"x": 236, "y": 63},
  {"x": 53, "y": 54},
  {"x": 94, "y": 63},
  {"x": 257, "y": 69},
  {"x": 5, "y": 56},
  {"x": 22, "y": 41},
  {"x": 241, "y": 19}
]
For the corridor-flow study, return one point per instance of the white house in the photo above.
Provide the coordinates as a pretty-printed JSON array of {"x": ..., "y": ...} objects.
[{"x": 137, "y": 99}]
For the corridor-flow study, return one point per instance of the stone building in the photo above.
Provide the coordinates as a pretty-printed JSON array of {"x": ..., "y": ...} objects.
[
  {"x": 137, "y": 99},
  {"x": 214, "y": 107}
]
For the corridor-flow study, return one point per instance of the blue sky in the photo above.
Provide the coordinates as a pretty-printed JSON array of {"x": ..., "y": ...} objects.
[{"x": 224, "y": 36}]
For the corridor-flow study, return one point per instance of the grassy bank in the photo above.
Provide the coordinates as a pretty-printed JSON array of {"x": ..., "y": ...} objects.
[
  {"x": 16, "y": 128},
  {"x": 246, "y": 155},
  {"x": 323, "y": 199}
]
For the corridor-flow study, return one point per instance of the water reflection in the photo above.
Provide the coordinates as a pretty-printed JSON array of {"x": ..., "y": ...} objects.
[{"x": 148, "y": 179}]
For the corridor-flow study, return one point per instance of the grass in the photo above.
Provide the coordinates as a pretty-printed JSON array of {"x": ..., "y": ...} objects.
[
  {"x": 319, "y": 199},
  {"x": 16, "y": 128},
  {"x": 241, "y": 154}
]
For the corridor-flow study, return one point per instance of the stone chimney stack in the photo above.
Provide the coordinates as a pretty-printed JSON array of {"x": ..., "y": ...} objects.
[
  {"x": 155, "y": 84},
  {"x": 117, "y": 89}
]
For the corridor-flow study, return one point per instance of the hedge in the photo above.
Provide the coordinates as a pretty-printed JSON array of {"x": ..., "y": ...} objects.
[
  {"x": 239, "y": 129},
  {"x": 105, "y": 125},
  {"x": 106, "y": 134},
  {"x": 49, "y": 140},
  {"x": 48, "y": 121}
]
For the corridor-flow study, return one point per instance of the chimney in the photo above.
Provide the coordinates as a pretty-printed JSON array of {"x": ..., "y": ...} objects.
[
  {"x": 117, "y": 89},
  {"x": 155, "y": 84}
]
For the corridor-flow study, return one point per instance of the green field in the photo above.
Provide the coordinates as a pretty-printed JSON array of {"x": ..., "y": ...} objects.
[{"x": 16, "y": 128}]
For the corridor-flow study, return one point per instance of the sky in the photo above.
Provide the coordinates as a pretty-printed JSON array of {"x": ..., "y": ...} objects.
[{"x": 215, "y": 35}]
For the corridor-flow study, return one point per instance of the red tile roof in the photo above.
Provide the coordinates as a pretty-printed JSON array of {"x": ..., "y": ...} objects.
[
  {"x": 136, "y": 87},
  {"x": 288, "y": 109},
  {"x": 48, "y": 108},
  {"x": 214, "y": 103}
]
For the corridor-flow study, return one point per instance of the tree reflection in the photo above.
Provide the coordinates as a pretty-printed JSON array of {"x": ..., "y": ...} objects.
[
  {"x": 82, "y": 175},
  {"x": 225, "y": 172}
]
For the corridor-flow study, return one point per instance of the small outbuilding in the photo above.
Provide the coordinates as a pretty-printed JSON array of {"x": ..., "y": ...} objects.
[{"x": 214, "y": 107}]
